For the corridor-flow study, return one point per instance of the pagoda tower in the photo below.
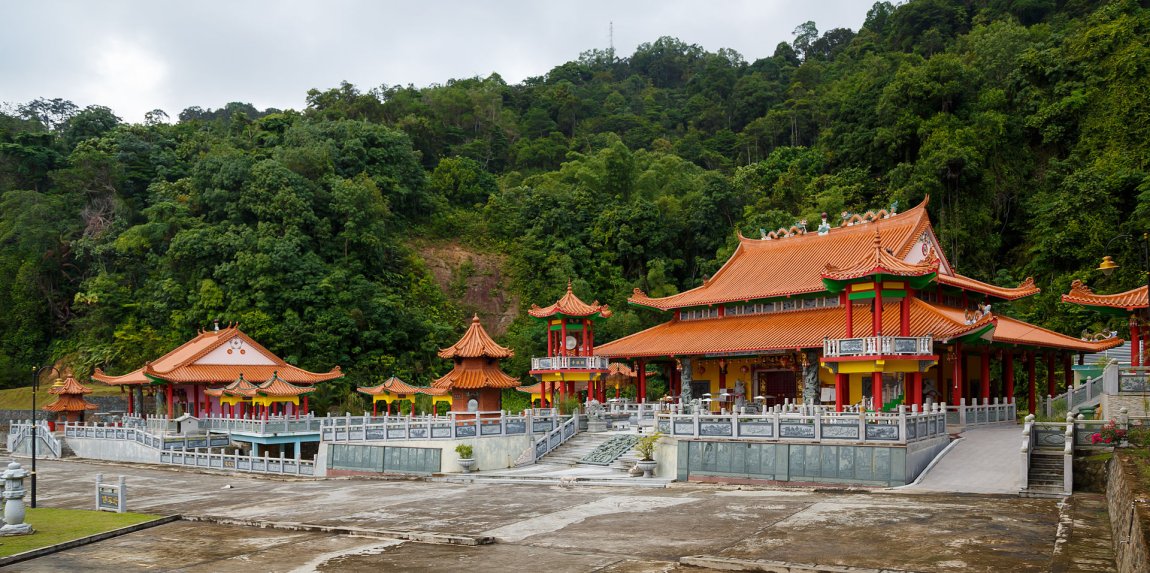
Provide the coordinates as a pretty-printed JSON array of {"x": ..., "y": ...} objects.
[
  {"x": 70, "y": 403},
  {"x": 571, "y": 365},
  {"x": 476, "y": 375}
]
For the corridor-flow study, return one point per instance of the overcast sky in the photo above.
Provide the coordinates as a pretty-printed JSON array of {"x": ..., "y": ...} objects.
[{"x": 137, "y": 55}]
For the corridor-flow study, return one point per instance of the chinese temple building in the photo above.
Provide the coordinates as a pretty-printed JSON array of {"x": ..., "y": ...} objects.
[
  {"x": 571, "y": 365},
  {"x": 476, "y": 375},
  {"x": 179, "y": 379},
  {"x": 69, "y": 405},
  {"x": 393, "y": 389},
  {"x": 1131, "y": 304},
  {"x": 869, "y": 313}
]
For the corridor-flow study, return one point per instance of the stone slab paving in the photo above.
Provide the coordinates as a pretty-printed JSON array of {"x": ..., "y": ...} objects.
[
  {"x": 543, "y": 528},
  {"x": 1085, "y": 542},
  {"x": 986, "y": 460}
]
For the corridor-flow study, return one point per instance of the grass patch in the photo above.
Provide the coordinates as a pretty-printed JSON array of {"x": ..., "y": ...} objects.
[{"x": 54, "y": 526}]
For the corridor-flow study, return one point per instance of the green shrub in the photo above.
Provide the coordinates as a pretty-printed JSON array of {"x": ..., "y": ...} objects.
[
  {"x": 646, "y": 446},
  {"x": 465, "y": 451}
]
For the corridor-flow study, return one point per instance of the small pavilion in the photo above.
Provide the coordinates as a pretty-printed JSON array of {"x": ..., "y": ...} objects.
[
  {"x": 476, "y": 375},
  {"x": 70, "y": 403},
  {"x": 1131, "y": 304},
  {"x": 571, "y": 365},
  {"x": 238, "y": 393},
  {"x": 214, "y": 358},
  {"x": 536, "y": 393},
  {"x": 393, "y": 389},
  {"x": 620, "y": 374}
]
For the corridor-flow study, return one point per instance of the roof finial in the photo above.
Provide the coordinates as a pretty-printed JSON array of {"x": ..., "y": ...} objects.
[
  {"x": 568, "y": 285},
  {"x": 475, "y": 318}
]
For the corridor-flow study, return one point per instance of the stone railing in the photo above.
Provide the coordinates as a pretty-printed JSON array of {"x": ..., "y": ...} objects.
[
  {"x": 818, "y": 425},
  {"x": 569, "y": 363},
  {"x": 639, "y": 414},
  {"x": 555, "y": 438},
  {"x": 878, "y": 346},
  {"x": 455, "y": 425},
  {"x": 1049, "y": 436},
  {"x": 144, "y": 437},
  {"x": 240, "y": 463},
  {"x": 273, "y": 425},
  {"x": 20, "y": 439},
  {"x": 975, "y": 414},
  {"x": 1136, "y": 379}
]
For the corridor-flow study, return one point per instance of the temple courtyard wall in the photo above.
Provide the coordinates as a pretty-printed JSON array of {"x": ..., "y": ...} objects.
[{"x": 420, "y": 456}]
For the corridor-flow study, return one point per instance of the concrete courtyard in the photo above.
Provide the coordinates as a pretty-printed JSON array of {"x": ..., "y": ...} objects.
[{"x": 250, "y": 524}]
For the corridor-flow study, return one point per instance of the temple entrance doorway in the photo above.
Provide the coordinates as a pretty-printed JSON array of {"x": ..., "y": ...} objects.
[{"x": 776, "y": 386}]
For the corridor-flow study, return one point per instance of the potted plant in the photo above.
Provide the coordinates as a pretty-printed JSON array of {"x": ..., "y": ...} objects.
[
  {"x": 466, "y": 459},
  {"x": 646, "y": 450}
]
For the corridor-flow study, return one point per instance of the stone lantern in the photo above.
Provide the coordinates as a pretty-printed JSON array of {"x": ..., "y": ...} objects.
[{"x": 14, "y": 501}]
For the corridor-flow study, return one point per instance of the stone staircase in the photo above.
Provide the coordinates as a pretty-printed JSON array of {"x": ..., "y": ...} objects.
[
  {"x": 1046, "y": 473},
  {"x": 582, "y": 444}
]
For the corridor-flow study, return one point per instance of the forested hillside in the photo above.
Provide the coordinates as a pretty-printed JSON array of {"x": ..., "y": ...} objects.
[{"x": 1027, "y": 122}]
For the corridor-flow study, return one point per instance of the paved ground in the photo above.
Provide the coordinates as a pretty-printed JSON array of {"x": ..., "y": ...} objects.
[
  {"x": 986, "y": 460},
  {"x": 551, "y": 528}
]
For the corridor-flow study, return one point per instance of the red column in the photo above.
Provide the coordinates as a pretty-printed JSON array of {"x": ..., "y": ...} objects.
[
  {"x": 374, "y": 408},
  {"x": 1008, "y": 374},
  {"x": 984, "y": 374},
  {"x": 1051, "y": 385},
  {"x": 916, "y": 386},
  {"x": 876, "y": 390},
  {"x": 841, "y": 390},
  {"x": 876, "y": 316},
  {"x": 956, "y": 391},
  {"x": 131, "y": 400},
  {"x": 563, "y": 337},
  {"x": 1032, "y": 379},
  {"x": 904, "y": 315},
  {"x": 642, "y": 397},
  {"x": 168, "y": 390},
  {"x": 306, "y": 409},
  {"x": 846, "y": 301},
  {"x": 1135, "y": 339}
]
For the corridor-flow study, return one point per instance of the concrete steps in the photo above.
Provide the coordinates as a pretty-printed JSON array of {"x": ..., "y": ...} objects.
[
  {"x": 1046, "y": 472},
  {"x": 582, "y": 444}
]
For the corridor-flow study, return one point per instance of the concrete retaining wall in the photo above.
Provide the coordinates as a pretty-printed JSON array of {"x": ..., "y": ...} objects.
[
  {"x": 491, "y": 452},
  {"x": 113, "y": 450},
  {"x": 855, "y": 464},
  {"x": 1136, "y": 404},
  {"x": 1127, "y": 514}
]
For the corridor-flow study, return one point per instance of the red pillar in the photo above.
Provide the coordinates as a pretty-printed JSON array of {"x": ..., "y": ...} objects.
[
  {"x": 876, "y": 316},
  {"x": 916, "y": 389},
  {"x": 841, "y": 381},
  {"x": 374, "y": 408},
  {"x": 904, "y": 315},
  {"x": 306, "y": 409},
  {"x": 1031, "y": 378},
  {"x": 563, "y": 337},
  {"x": 876, "y": 390},
  {"x": 846, "y": 301},
  {"x": 1135, "y": 339},
  {"x": 984, "y": 374},
  {"x": 1051, "y": 385},
  {"x": 956, "y": 391},
  {"x": 642, "y": 397},
  {"x": 168, "y": 390},
  {"x": 1008, "y": 374},
  {"x": 131, "y": 400}
]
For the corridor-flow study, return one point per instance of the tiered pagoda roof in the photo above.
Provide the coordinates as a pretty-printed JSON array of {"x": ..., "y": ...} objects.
[
  {"x": 764, "y": 269},
  {"x": 279, "y": 388},
  {"x": 1128, "y": 301},
  {"x": 570, "y": 305},
  {"x": 69, "y": 397},
  {"x": 476, "y": 343},
  {"x": 476, "y": 358},
  {"x": 217, "y": 357}
]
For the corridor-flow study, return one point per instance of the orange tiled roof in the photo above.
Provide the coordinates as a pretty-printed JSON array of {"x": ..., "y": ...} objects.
[
  {"x": 880, "y": 261},
  {"x": 394, "y": 385},
  {"x": 278, "y": 388},
  {"x": 570, "y": 305},
  {"x": 620, "y": 369},
  {"x": 240, "y": 387},
  {"x": 476, "y": 343},
  {"x": 1025, "y": 289},
  {"x": 180, "y": 365},
  {"x": 471, "y": 376},
  {"x": 536, "y": 388},
  {"x": 783, "y": 330},
  {"x": 69, "y": 403},
  {"x": 1129, "y": 300},
  {"x": 70, "y": 386},
  {"x": 761, "y": 269},
  {"x": 806, "y": 329}
]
